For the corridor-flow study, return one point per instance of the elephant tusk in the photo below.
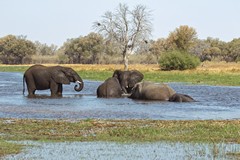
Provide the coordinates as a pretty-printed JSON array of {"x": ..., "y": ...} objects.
[{"x": 78, "y": 82}]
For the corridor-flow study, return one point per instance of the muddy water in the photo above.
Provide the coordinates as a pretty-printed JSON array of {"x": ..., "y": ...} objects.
[{"x": 214, "y": 102}]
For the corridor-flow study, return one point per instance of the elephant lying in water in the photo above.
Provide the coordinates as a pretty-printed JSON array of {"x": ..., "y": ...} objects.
[
  {"x": 156, "y": 91},
  {"x": 110, "y": 88},
  {"x": 121, "y": 83},
  {"x": 39, "y": 77}
]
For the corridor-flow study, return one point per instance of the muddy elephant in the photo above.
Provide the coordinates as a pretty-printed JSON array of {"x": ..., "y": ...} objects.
[
  {"x": 128, "y": 79},
  {"x": 157, "y": 91},
  {"x": 39, "y": 77},
  {"x": 110, "y": 88}
]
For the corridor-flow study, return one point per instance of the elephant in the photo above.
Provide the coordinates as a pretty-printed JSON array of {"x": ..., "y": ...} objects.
[
  {"x": 157, "y": 91},
  {"x": 110, "y": 88},
  {"x": 39, "y": 77},
  {"x": 128, "y": 79},
  {"x": 177, "y": 97}
]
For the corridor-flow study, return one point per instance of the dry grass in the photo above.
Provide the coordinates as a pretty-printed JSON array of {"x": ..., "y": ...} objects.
[
  {"x": 213, "y": 67},
  {"x": 220, "y": 67}
]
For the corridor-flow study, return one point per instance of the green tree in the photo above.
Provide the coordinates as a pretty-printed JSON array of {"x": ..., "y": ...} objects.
[
  {"x": 15, "y": 49},
  {"x": 44, "y": 49},
  {"x": 234, "y": 50},
  {"x": 217, "y": 50},
  {"x": 84, "y": 49},
  {"x": 199, "y": 48},
  {"x": 126, "y": 28},
  {"x": 45, "y": 53},
  {"x": 182, "y": 38},
  {"x": 158, "y": 47},
  {"x": 73, "y": 50}
]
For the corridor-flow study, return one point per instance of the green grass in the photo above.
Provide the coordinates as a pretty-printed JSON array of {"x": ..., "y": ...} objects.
[
  {"x": 95, "y": 75},
  {"x": 228, "y": 79},
  {"x": 7, "y": 148},
  {"x": 194, "y": 77},
  {"x": 127, "y": 131},
  {"x": 14, "y": 68},
  {"x": 121, "y": 130}
]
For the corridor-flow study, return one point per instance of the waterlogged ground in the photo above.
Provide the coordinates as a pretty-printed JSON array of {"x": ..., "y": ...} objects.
[
  {"x": 213, "y": 102},
  {"x": 117, "y": 151}
]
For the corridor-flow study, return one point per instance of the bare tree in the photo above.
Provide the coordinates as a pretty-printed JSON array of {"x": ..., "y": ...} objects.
[{"x": 127, "y": 29}]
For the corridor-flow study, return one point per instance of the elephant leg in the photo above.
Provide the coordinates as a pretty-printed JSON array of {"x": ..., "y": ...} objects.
[
  {"x": 54, "y": 89},
  {"x": 30, "y": 86},
  {"x": 60, "y": 89},
  {"x": 31, "y": 93}
]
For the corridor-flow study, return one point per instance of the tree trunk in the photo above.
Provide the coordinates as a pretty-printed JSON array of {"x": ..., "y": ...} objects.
[{"x": 125, "y": 60}]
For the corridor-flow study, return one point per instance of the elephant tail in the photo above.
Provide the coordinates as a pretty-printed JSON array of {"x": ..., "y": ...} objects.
[{"x": 23, "y": 84}]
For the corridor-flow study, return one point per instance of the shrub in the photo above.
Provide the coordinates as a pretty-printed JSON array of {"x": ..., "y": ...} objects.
[{"x": 178, "y": 60}]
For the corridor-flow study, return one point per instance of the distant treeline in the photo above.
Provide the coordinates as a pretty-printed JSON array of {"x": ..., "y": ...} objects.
[{"x": 94, "y": 49}]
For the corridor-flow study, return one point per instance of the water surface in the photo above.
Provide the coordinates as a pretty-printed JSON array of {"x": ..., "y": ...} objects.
[
  {"x": 116, "y": 151},
  {"x": 213, "y": 102}
]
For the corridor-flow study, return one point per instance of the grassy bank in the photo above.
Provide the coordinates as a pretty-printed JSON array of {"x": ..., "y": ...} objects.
[
  {"x": 121, "y": 130},
  {"x": 208, "y": 73},
  {"x": 7, "y": 148},
  {"x": 209, "y": 131}
]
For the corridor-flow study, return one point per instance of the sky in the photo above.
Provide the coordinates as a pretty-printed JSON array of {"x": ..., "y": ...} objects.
[{"x": 55, "y": 21}]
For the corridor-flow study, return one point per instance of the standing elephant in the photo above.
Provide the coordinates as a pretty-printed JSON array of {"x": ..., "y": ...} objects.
[
  {"x": 128, "y": 79},
  {"x": 39, "y": 77},
  {"x": 110, "y": 88},
  {"x": 156, "y": 91}
]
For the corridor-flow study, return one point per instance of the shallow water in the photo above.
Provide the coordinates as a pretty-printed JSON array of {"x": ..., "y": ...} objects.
[
  {"x": 214, "y": 102},
  {"x": 116, "y": 151}
]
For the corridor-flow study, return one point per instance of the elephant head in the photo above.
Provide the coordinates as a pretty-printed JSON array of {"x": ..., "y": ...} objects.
[
  {"x": 128, "y": 79},
  {"x": 65, "y": 75}
]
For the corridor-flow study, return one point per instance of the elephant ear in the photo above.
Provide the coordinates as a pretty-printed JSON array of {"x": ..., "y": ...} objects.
[
  {"x": 135, "y": 77},
  {"x": 117, "y": 74},
  {"x": 60, "y": 77}
]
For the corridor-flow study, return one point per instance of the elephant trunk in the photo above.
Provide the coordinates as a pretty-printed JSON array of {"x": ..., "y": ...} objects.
[{"x": 79, "y": 85}]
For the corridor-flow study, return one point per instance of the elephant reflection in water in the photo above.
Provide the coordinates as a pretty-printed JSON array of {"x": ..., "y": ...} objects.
[
  {"x": 158, "y": 91},
  {"x": 39, "y": 77}
]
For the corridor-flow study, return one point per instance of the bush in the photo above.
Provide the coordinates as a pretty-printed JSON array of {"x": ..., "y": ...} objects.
[{"x": 178, "y": 60}]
